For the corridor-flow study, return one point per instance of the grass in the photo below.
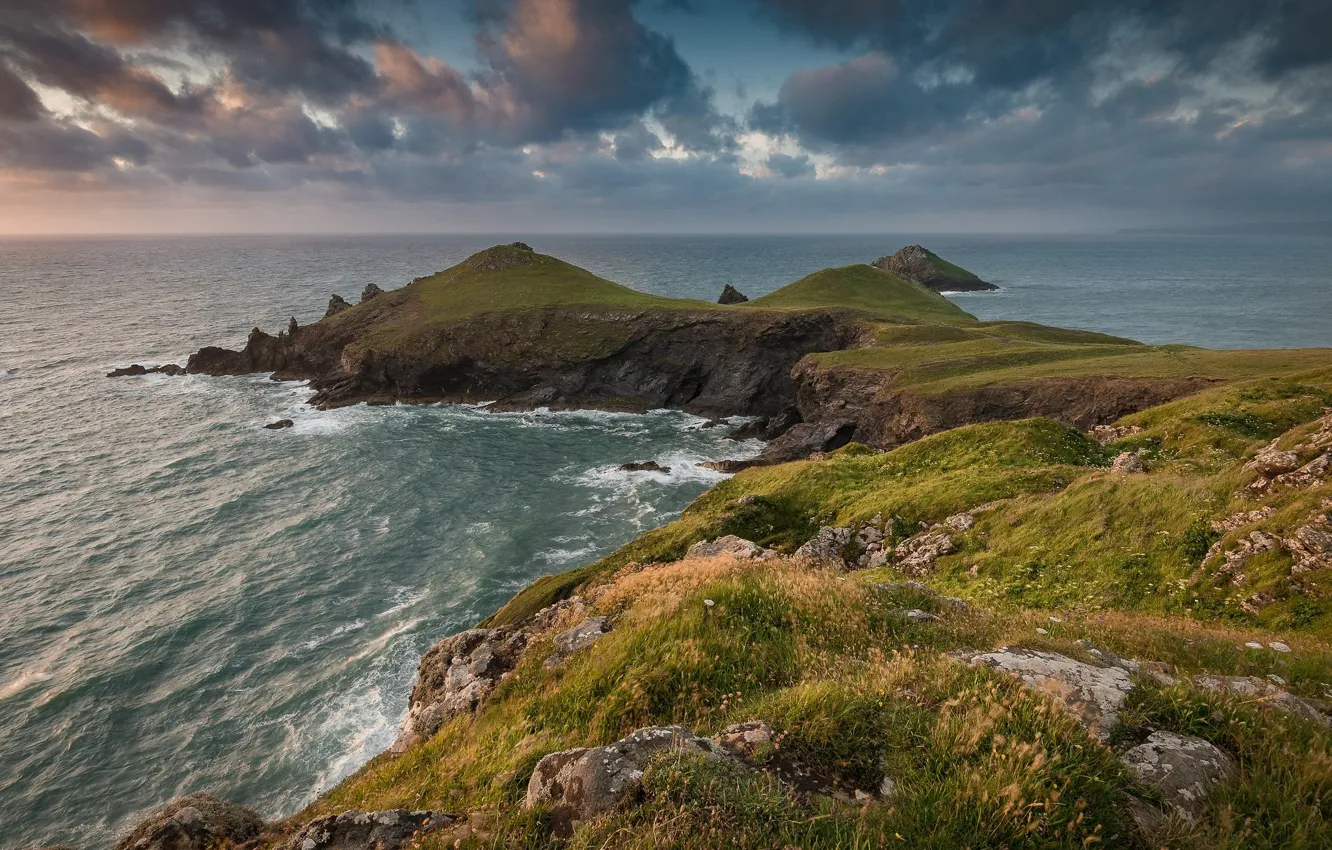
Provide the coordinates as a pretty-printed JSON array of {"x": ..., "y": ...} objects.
[
  {"x": 945, "y": 267},
  {"x": 876, "y": 293},
  {"x": 855, "y": 694}
]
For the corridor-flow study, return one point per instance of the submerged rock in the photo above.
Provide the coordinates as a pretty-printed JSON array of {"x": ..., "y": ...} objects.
[
  {"x": 395, "y": 829},
  {"x": 1181, "y": 769},
  {"x": 193, "y": 822},
  {"x": 731, "y": 295},
  {"x": 1092, "y": 695}
]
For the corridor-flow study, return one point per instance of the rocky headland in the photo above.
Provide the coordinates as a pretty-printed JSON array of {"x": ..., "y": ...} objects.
[
  {"x": 999, "y": 585},
  {"x": 917, "y": 263}
]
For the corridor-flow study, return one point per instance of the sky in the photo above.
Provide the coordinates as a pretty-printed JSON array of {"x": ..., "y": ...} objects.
[{"x": 693, "y": 116}]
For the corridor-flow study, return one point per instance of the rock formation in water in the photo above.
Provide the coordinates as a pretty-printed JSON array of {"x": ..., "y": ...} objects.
[{"x": 914, "y": 262}]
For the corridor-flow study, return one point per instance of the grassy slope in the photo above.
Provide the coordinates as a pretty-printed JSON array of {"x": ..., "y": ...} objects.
[
  {"x": 948, "y": 268},
  {"x": 878, "y": 293}
]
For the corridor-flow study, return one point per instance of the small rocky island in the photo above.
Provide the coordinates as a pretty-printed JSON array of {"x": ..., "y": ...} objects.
[
  {"x": 1001, "y": 584},
  {"x": 931, "y": 271}
]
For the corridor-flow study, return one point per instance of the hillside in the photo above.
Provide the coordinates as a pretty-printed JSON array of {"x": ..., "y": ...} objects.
[{"x": 995, "y": 585}]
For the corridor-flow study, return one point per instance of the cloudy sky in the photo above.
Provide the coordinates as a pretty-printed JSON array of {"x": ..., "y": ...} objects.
[{"x": 662, "y": 115}]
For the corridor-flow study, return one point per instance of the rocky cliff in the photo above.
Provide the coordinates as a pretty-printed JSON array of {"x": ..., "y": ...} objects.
[{"x": 927, "y": 268}]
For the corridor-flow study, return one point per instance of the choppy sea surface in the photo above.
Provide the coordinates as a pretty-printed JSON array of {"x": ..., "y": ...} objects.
[{"x": 191, "y": 602}]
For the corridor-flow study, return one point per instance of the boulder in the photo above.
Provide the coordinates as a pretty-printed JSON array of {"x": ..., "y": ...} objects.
[
  {"x": 336, "y": 305},
  {"x": 370, "y": 291},
  {"x": 1311, "y": 474},
  {"x": 1270, "y": 461},
  {"x": 1181, "y": 769},
  {"x": 395, "y": 829},
  {"x": 1092, "y": 695},
  {"x": 455, "y": 675},
  {"x": 193, "y": 822},
  {"x": 915, "y": 556},
  {"x": 579, "y": 637},
  {"x": 1128, "y": 463},
  {"x": 736, "y": 547},
  {"x": 581, "y": 783},
  {"x": 731, "y": 295},
  {"x": 644, "y": 466},
  {"x": 279, "y": 425},
  {"x": 1267, "y": 693},
  {"x": 832, "y": 547}
]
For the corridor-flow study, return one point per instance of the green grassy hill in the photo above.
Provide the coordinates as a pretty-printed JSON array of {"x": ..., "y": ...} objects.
[{"x": 877, "y": 293}]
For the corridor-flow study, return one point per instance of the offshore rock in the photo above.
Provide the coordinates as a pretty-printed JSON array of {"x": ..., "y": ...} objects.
[
  {"x": 915, "y": 262},
  {"x": 581, "y": 783},
  {"x": 136, "y": 370},
  {"x": 279, "y": 425},
  {"x": 644, "y": 466},
  {"x": 1182, "y": 769},
  {"x": 1092, "y": 695},
  {"x": 193, "y": 822},
  {"x": 731, "y": 295},
  {"x": 395, "y": 829}
]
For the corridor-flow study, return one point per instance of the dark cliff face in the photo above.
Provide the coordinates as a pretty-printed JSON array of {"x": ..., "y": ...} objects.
[{"x": 704, "y": 362}]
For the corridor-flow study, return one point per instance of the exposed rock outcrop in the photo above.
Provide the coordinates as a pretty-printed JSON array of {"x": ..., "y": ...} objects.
[
  {"x": 1268, "y": 693},
  {"x": 193, "y": 822},
  {"x": 371, "y": 290},
  {"x": 1182, "y": 770},
  {"x": 1092, "y": 695},
  {"x": 736, "y": 547},
  {"x": 731, "y": 295},
  {"x": 581, "y": 783},
  {"x": 915, "y": 262},
  {"x": 394, "y": 829},
  {"x": 1128, "y": 463},
  {"x": 336, "y": 305},
  {"x": 644, "y": 466},
  {"x": 916, "y": 556},
  {"x": 279, "y": 425},
  {"x": 136, "y": 370},
  {"x": 578, "y": 638}
]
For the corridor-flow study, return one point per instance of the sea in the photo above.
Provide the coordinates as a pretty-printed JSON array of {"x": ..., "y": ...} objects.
[{"x": 192, "y": 602}]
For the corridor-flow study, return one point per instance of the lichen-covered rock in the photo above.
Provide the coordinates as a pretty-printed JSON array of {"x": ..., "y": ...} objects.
[
  {"x": 1092, "y": 695},
  {"x": 455, "y": 675},
  {"x": 831, "y": 547},
  {"x": 961, "y": 522},
  {"x": 915, "y": 556},
  {"x": 1271, "y": 461},
  {"x": 1238, "y": 557},
  {"x": 578, "y": 784},
  {"x": 1109, "y": 433},
  {"x": 1312, "y": 473},
  {"x": 193, "y": 822},
  {"x": 1268, "y": 693},
  {"x": 579, "y": 637},
  {"x": 1311, "y": 545},
  {"x": 1182, "y": 769},
  {"x": 736, "y": 547},
  {"x": 1128, "y": 463},
  {"x": 394, "y": 829}
]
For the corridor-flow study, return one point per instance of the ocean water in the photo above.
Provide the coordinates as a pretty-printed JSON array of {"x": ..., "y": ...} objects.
[{"x": 191, "y": 602}]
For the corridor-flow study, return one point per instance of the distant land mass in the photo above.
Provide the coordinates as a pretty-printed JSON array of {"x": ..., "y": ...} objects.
[{"x": 1252, "y": 228}]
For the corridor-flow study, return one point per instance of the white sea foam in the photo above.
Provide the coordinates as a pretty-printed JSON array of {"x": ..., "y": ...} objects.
[
  {"x": 564, "y": 556},
  {"x": 383, "y": 640},
  {"x": 315, "y": 643},
  {"x": 404, "y": 598},
  {"x": 25, "y": 680},
  {"x": 362, "y": 727}
]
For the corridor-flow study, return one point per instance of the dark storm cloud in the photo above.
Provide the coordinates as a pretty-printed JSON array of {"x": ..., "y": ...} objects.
[
  {"x": 18, "y": 102},
  {"x": 790, "y": 166}
]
